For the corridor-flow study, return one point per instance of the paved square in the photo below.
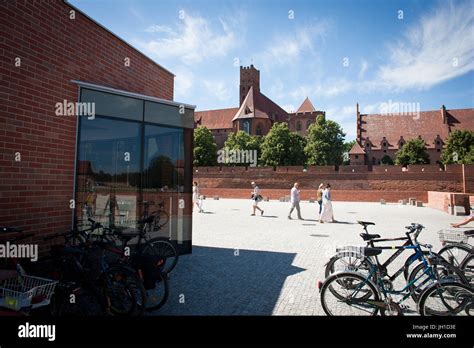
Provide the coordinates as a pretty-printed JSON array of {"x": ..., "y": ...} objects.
[{"x": 269, "y": 265}]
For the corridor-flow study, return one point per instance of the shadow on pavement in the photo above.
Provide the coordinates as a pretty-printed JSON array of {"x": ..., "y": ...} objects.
[{"x": 221, "y": 281}]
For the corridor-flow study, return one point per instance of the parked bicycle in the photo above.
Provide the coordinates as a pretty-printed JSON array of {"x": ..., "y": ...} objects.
[{"x": 368, "y": 289}]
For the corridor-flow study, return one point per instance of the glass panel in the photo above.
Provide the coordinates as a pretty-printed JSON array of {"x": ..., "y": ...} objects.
[
  {"x": 163, "y": 179},
  {"x": 107, "y": 104},
  {"x": 168, "y": 115},
  {"x": 108, "y": 174}
]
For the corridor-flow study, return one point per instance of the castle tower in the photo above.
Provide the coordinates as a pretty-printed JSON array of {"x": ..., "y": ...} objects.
[{"x": 249, "y": 77}]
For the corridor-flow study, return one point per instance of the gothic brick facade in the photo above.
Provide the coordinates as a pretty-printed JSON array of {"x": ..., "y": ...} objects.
[{"x": 256, "y": 112}]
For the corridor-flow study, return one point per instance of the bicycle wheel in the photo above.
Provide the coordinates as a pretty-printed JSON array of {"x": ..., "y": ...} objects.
[
  {"x": 163, "y": 247},
  {"x": 467, "y": 267},
  {"x": 447, "y": 299},
  {"x": 347, "y": 263},
  {"x": 441, "y": 270},
  {"x": 120, "y": 288},
  {"x": 455, "y": 253},
  {"x": 157, "y": 296},
  {"x": 357, "y": 300}
]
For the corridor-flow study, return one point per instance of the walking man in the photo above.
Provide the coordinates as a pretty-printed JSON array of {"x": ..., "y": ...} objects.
[
  {"x": 295, "y": 201},
  {"x": 256, "y": 198}
]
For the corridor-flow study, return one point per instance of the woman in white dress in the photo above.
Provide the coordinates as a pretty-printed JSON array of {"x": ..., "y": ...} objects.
[
  {"x": 327, "y": 214},
  {"x": 196, "y": 197}
]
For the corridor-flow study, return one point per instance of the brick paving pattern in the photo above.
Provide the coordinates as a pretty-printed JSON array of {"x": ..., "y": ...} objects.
[{"x": 269, "y": 265}]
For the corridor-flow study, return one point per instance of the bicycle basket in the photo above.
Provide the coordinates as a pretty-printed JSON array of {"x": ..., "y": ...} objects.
[
  {"x": 350, "y": 250},
  {"x": 26, "y": 291},
  {"x": 452, "y": 236}
]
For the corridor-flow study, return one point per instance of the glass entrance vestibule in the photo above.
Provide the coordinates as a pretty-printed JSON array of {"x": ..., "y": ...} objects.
[{"x": 134, "y": 158}]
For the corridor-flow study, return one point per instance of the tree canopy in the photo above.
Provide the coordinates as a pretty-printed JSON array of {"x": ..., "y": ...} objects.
[
  {"x": 281, "y": 147},
  {"x": 459, "y": 148},
  {"x": 412, "y": 152},
  {"x": 205, "y": 148},
  {"x": 325, "y": 143}
]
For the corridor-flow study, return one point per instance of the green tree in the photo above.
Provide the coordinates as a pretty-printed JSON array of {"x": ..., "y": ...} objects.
[
  {"x": 387, "y": 160},
  {"x": 459, "y": 148},
  {"x": 281, "y": 147},
  {"x": 205, "y": 148},
  {"x": 413, "y": 152},
  {"x": 243, "y": 141},
  {"x": 325, "y": 143}
]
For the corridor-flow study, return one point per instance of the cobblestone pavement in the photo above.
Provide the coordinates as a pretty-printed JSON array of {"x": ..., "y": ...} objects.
[{"x": 269, "y": 265}]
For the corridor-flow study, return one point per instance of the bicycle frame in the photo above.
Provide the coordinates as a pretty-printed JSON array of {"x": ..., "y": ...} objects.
[{"x": 380, "y": 286}]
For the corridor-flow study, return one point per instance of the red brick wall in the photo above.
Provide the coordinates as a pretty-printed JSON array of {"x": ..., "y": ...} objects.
[
  {"x": 337, "y": 195},
  {"x": 351, "y": 183},
  {"x": 54, "y": 49}
]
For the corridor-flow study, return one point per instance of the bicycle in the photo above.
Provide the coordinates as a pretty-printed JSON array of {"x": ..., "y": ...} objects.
[
  {"x": 357, "y": 262},
  {"x": 368, "y": 294},
  {"x": 457, "y": 250},
  {"x": 142, "y": 257},
  {"x": 81, "y": 269}
]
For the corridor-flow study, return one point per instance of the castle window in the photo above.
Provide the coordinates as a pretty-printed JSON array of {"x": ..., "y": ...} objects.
[
  {"x": 308, "y": 123},
  {"x": 356, "y": 156},
  {"x": 439, "y": 150},
  {"x": 246, "y": 127},
  {"x": 259, "y": 129},
  {"x": 298, "y": 126}
]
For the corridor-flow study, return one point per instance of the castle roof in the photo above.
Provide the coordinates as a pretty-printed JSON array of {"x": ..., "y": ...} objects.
[
  {"x": 257, "y": 105},
  {"x": 215, "y": 119},
  {"x": 356, "y": 149},
  {"x": 306, "y": 106},
  {"x": 427, "y": 124}
]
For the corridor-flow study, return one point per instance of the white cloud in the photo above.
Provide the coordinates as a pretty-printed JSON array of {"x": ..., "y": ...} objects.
[
  {"x": 288, "y": 107},
  {"x": 184, "y": 82},
  {"x": 438, "y": 48},
  {"x": 332, "y": 88},
  {"x": 218, "y": 89},
  {"x": 193, "y": 41},
  {"x": 346, "y": 117},
  {"x": 363, "y": 68},
  {"x": 288, "y": 48}
]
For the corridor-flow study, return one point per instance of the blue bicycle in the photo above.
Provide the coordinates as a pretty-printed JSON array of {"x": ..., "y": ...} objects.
[{"x": 354, "y": 293}]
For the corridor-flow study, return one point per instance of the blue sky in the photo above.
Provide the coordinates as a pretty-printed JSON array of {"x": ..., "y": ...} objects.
[{"x": 336, "y": 52}]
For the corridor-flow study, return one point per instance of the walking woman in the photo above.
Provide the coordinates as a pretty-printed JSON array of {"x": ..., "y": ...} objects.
[
  {"x": 327, "y": 214},
  {"x": 196, "y": 197},
  {"x": 256, "y": 198},
  {"x": 319, "y": 197}
]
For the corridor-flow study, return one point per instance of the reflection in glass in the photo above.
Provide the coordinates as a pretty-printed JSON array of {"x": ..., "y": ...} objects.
[{"x": 109, "y": 171}]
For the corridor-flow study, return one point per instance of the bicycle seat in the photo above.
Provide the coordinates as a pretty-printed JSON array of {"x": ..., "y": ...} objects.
[
  {"x": 372, "y": 251},
  {"x": 469, "y": 233},
  {"x": 365, "y": 223},
  {"x": 368, "y": 236}
]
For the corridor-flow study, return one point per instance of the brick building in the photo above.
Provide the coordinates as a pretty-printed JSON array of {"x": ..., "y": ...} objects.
[
  {"x": 380, "y": 135},
  {"x": 256, "y": 112},
  {"x": 58, "y": 167}
]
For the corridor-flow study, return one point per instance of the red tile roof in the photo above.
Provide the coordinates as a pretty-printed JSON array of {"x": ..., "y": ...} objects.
[
  {"x": 462, "y": 119},
  {"x": 257, "y": 105},
  {"x": 306, "y": 106},
  {"x": 428, "y": 125},
  {"x": 356, "y": 150},
  {"x": 215, "y": 119}
]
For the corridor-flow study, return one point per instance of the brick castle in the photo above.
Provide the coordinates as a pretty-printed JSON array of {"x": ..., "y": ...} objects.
[{"x": 256, "y": 112}]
